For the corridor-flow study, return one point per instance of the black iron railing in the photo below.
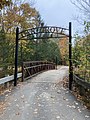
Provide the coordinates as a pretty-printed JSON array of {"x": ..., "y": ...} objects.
[{"x": 32, "y": 68}]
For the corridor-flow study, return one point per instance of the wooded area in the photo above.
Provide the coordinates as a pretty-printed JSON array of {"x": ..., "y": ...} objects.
[
  {"x": 81, "y": 49},
  {"x": 81, "y": 57},
  {"x": 15, "y": 14},
  {"x": 24, "y": 16}
]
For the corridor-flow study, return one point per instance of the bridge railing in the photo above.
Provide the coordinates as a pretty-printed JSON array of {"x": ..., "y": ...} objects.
[
  {"x": 81, "y": 82},
  {"x": 31, "y": 68},
  {"x": 82, "y": 87}
]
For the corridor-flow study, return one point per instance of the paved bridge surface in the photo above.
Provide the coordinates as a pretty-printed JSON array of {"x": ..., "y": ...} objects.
[{"x": 43, "y": 98}]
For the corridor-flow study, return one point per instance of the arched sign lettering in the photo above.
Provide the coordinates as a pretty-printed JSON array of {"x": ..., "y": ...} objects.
[{"x": 43, "y": 33}]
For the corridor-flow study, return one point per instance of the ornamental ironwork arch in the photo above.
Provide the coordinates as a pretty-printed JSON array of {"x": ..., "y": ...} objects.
[{"x": 44, "y": 32}]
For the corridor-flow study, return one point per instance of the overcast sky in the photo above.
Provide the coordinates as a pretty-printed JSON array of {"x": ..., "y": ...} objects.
[{"x": 58, "y": 13}]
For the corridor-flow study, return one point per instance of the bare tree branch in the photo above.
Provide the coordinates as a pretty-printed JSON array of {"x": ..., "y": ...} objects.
[{"x": 83, "y": 5}]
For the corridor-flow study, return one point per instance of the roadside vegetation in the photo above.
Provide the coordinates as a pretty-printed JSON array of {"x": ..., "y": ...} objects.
[
  {"x": 81, "y": 49},
  {"x": 15, "y": 13}
]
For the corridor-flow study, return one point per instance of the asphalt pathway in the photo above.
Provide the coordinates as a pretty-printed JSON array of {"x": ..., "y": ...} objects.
[{"x": 43, "y": 98}]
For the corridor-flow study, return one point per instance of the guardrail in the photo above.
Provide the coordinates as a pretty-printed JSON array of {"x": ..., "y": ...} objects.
[
  {"x": 33, "y": 68},
  {"x": 81, "y": 87},
  {"x": 81, "y": 82},
  {"x": 9, "y": 78}
]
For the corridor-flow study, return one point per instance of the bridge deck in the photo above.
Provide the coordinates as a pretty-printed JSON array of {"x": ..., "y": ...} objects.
[{"x": 43, "y": 98}]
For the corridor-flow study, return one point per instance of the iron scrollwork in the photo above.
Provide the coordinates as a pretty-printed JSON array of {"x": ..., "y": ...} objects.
[{"x": 43, "y": 33}]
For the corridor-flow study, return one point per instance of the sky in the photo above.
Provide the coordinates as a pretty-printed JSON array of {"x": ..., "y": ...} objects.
[{"x": 58, "y": 13}]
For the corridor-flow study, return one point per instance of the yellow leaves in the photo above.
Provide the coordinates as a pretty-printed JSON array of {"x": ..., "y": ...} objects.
[
  {"x": 27, "y": 10},
  {"x": 63, "y": 46},
  {"x": 4, "y": 3},
  {"x": 23, "y": 42},
  {"x": 22, "y": 15}
]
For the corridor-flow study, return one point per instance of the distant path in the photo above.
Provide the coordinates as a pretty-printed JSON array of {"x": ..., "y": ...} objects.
[{"x": 42, "y": 98}]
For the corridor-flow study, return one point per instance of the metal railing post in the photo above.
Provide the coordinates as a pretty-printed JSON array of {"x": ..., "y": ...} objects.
[
  {"x": 56, "y": 63},
  {"x": 70, "y": 57},
  {"x": 16, "y": 57}
]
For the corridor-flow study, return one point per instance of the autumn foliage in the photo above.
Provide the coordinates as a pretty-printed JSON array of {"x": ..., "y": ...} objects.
[{"x": 63, "y": 45}]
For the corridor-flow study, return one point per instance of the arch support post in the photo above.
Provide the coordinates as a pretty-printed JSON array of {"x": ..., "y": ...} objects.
[
  {"x": 16, "y": 57},
  {"x": 70, "y": 57}
]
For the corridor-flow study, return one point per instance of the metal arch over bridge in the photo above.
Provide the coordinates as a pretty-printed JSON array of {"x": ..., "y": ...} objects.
[{"x": 44, "y": 32}]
